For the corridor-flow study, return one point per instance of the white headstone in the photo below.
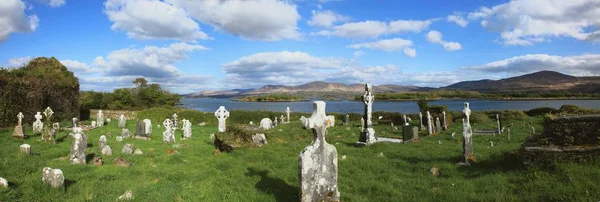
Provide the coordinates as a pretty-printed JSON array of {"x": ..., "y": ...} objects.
[
  {"x": 287, "y": 112},
  {"x": 53, "y": 177},
  {"x": 38, "y": 125},
  {"x": 175, "y": 121},
  {"x": 187, "y": 129},
  {"x": 122, "y": 121},
  {"x": 78, "y": 147},
  {"x": 222, "y": 114},
  {"x": 266, "y": 124},
  {"x": 429, "y": 123},
  {"x": 467, "y": 134},
  {"x": 169, "y": 134},
  {"x": 421, "y": 126},
  {"x": 106, "y": 151},
  {"x": 100, "y": 119},
  {"x": 330, "y": 121},
  {"x": 148, "y": 125}
]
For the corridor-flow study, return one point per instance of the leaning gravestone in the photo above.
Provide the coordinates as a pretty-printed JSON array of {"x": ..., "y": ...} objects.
[
  {"x": 367, "y": 136},
  {"x": 78, "y": 147},
  {"x": 222, "y": 114},
  {"x": 148, "y": 127},
  {"x": 100, "y": 119},
  {"x": 266, "y": 124},
  {"x": 467, "y": 135},
  {"x": 122, "y": 121},
  {"x": 53, "y": 177},
  {"x": 102, "y": 142},
  {"x": 18, "y": 133},
  {"x": 168, "y": 134},
  {"x": 38, "y": 126},
  {"x": 125, "y": 133},
  {"x": 317, "y": 163},
  {"x": 49, "y": 132}
]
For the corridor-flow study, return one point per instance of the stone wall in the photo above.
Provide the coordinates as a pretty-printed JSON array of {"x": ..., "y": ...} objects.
[
  {"x": 114, "y": 114},
  {"x": 573, "y": 130}
]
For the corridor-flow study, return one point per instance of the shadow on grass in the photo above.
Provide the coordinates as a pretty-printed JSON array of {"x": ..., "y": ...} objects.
[
  {"x": 61, "y": 139},
  {"x": 68, "y": 183},
  {"x": 277, "y": 187},
  {"x": 90, "y": 157},
  {"x": 497, "y": 163}
]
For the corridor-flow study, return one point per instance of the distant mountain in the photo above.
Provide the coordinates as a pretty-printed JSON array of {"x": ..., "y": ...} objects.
[{"x": 538, "y": 81}]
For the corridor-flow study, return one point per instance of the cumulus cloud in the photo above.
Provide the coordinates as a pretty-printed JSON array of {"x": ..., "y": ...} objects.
[
  {"x": 151, "y": 61},
  {"x": 14, "y": 19},
  {"x": 265, "y": 20},
  {"x": 582, "y": 65},
  {"x": 79, "y": 67},
  {"x": 388, "y": 45},
  {"x": 436, "y": 37},
  {"x": 146, "y": 19},
  {"x": 358, "y": 74},
  {"x": 19, "y": 62},
  {"x": 458, "y": 19},
  {"x": 526, "y": 22},
  {"x": 374, "y": 29},
  {"x": 56, "y": 3},
  {"x": 326, "y": 18}
]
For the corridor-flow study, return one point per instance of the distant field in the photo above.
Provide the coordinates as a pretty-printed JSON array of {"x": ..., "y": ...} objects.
[{"x": 270, "y": 173}]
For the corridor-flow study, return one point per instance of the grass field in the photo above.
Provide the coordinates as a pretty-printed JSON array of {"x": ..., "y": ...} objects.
[{"x": 270, "y": 173}]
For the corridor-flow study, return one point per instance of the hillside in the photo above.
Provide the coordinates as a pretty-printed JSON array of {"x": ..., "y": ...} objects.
[{"x": 534, "y": 82}]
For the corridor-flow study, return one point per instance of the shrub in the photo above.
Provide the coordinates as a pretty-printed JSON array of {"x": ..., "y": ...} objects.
[
  {"x": 541, "y": 111},
  {"x": 479, "y": 117}
]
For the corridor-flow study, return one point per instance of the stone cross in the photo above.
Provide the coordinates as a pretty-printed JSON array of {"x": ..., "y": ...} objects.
[
  {"x": 421, "y": 126},
  {"x": 20, "y": 117},
  {"x": 222, "y": 114},
  {"x": 318, "y": 162},
  {"x": 175, "y": 124},
  {"x": 48, "y": 112},
  {"x": 467, "y": 135},
  {"x": 168, "y": 135},
  {"x": 287, "y": 112},
  {"x": 38, "y": 126},
  {"x": 75, "y": 120},
  {"x": 367, "y": 136},
  {"x": 444, "y": 117},
  {"x": 429, "y": 123}
]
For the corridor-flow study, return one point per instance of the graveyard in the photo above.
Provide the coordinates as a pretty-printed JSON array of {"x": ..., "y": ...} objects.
[{"x": 191, "y": 170}]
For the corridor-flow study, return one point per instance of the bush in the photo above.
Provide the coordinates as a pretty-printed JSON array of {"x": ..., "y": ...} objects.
[
  {"x": 541, "y": 111},
  {"x": 513, "y": 115},
  {"x": 479, "y": 117}
]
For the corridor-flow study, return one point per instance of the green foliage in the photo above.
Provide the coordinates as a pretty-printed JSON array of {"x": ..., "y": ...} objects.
[
  {"x": 43, "y": 82},
  {"x": 423, "y": 106},
  {"x": 272, "y": 98},
  {"x": 540, "y": 111},
  {"x": 479, "y": 117}
]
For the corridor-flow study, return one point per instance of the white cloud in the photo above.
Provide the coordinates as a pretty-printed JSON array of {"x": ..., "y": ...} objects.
[
  {"x": 326, "y": 18},
  {"x": 13, "y": 19},
  {"x": 79, "y": 67},
  {"x": 19, "y": 62},
  {"x": 410, "y": 52},
  {"x": 436, "y": 37},
  {"x": 526, "y": 22},
  {"x": 458, "y": 19},
  {"x": 357, "y": 54},
  {"x": 266, "y": 20},
  {"x": 582, "y": 65},
  {"x": 374, "y": 29},
  {"x": 147, "y": 19},
  {"x": 358, "y": 74},
  {"x": 56, "y": 3},
  {"x": 151, "y": 61}
]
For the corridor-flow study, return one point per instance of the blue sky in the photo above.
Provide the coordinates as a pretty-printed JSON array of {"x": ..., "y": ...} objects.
[{"x": 191, "y": 46}]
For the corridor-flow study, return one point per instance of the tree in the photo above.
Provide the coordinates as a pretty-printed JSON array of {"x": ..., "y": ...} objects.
[
  {"x": 140, "y": 82},
  {"x": 423, "y": 105}
]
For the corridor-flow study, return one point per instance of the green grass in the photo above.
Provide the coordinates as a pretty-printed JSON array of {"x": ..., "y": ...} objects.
[{"x": 270, "y": 173}]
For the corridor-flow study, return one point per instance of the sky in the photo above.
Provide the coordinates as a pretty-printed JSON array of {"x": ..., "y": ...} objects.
[{"x": 189, "y": 46}]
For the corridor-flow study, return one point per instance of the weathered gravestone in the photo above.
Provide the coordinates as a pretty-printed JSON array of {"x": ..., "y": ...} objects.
[
  {"x": 106, "y": 150},
  {"x": 100, "y": 119},
  {"x": 222, "y": 114},
  {"x": 275, "y": 122},
  {"x": 25, "y": 149},
  {"x": 49, "y": 132},
  {"x": 409, "y": 133},
  {"x": 429, "y": 124},
  {"x": 102, "y": 142},
  {"x": 303, "y": 121},
  {"x": 168, "y": 134},
  {"x": 122, "y": 121},
  {"x": 187, "y": 129},
  {"x": 421, "y": 126},
  {"x": 53, "y": 177},
  {"x": 331, "y": 121},
  {"x": 140, "y": 131},
  {"x": 18, "y": 132},
  {"x": 175, "y": 121},
  {"x": 367, "y": 136},
  {"x": 266, "y": 124},
  {"x": 347, "y": 119},
  {"x": 445, "y": 125},
  {"x": 93, "y": 124},
  {"x": 467, "y": 136},
  {"x": 282, "y": 118},
  {"x": 438, "y": 125},
  {"x": 78, "y": 147},
  {"x": 38, "y": 126},
  {"x": 318, "y": 162},
  {"x": 127, "y": 149},
  {"x": 404, "y": 118},
  {"x": 148, "y": 127},
  {"x": 75, "y": 121},
  {"x": 498, "y": 123},
  {"x": 125, "y": 133},
  {"x": 287, "y": 112}
]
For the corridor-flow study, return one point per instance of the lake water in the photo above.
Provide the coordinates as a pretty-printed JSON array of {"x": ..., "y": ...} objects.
[{"x": 212, "y": 104}]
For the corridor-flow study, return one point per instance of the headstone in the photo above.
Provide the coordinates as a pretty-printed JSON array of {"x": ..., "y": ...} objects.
[
  {"x": 148, "y": 127},
  {"x": 409, "y": 134},
  {"x": 287, "y": 112},
  {"x": 303, "y": 121},
  {"x": 128, "y": 195},
  {"x": 251, "y": 123},
  {"x": 100, "y": 119},
  {"x": 102, "y": 142},
  {"x": 138, "y": 151},
  {"x": 3, "y": 183},
  {"x": 25, "y": 149},
  {"x": 53, "y": 177},
  {"x": 119, "y": 138},
  {"x": 275, "y": 122},
  {"x": 75, "y": 121},
  {"x": 122, "y": 121},
  {"x": 187, "y": 129},
  {"x": 438, "y": 125},
  {"x": 175, "y": 122},
  {"x": 318, "y": 162},
  {"x": 78, "y": 147},
  {"x": 421, "y": 126},
  {"x": 467, "y": 135},
  {"x": 127, "y": 149},
  {"x": 367, "y": 136},
  {"x": 266, "y": 124},
  {"x": 347, "y": 119},
  {"x": 408, "y": 118},
  {"x": 445, "y": 126},
  {"x": 18, "y": 132},
  {"x": 259, "y": 139},
  {"x": 140, "y": 130},
  {"x": 108, "y": 120},
  {"x": 106, "y": 150},
  {"x": 498, "y": 123},
  {"x": 405, "y": 120},
  {"x": 168, "y": 134},
  {"x": 282, "y": 118},
  {"x": 49, "y": 132},
  {"x": 38, "y": 126},
  {"x": 429, "y": 124},
  {"x": 222, "y": 114},
  {"x": 331, "y": 121},
  {"x": 532, "y": 130},
  {"x": 125, "y": 133},
  {"x": 93, "y": 125},
  {"x": 508, "y": 134}
]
